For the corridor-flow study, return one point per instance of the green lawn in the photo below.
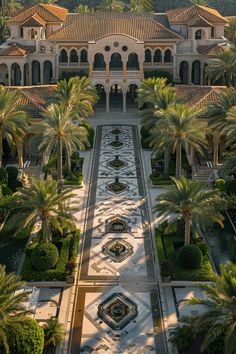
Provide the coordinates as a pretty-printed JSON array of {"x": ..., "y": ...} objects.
[
  {"x": 12, "y": 247},
  {"x": 168, "y": 246}
]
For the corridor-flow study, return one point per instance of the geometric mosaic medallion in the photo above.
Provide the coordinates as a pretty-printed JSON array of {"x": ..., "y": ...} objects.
[
  {"x": 117, "y": 311},
  {"x": 117, "y": 250},
  {"x": 117, "y": 186}
]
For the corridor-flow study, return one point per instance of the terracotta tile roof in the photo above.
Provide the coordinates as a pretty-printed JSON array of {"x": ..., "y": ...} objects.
[
  {"x": 49, "y": 13},
  {"x": 231, "y": 18},
  {"x": 16, "y": 50},
  {"x": 212, "y": 51},
  {"x": 199, "y": 96},
  {"x": 199, "y": 21},
  {"x": 34, "y": 21},
  {"x": 34, "y": 99},
  {"x": 184, "y": 14},
  {"x": 96, "y": 25}
]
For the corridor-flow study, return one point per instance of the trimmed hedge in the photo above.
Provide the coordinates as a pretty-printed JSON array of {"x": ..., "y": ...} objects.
[
  {"x": 3, "y": 176},
  {"x": 44, "y": 256},
  {"x": 67, "y": 246},
  {"x": 26, "y": 336},
  {"x": 190, "y": 257}
]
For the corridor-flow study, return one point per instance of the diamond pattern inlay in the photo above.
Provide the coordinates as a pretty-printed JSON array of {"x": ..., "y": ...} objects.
[{"x": 118, "y": 249}]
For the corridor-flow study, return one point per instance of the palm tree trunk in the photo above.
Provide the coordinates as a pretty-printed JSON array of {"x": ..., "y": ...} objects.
[
  {"x": 69, "y": 165},
  {"x": 59, "y": 161},
  {"x": 166, "y": 162},
  {"x": 187, "y": 231},
  {"x": 178, "y": 159}
]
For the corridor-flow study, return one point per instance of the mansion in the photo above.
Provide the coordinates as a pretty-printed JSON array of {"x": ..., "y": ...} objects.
[{"x": 115, "y": 50}]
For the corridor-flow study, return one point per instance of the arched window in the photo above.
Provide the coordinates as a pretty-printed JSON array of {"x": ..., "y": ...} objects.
[
  {"x": 168, "y": 58},
  {"x": 16, "y": 74},
  {"x": 35, "y": 72},
  {"x": 183, "y": 72},
  {"x": 33, "y": 34},
  {"x": 196, "y": 72},
  {"x": 47, "y": 72},
  {"x": 83, "y": 56},
  {"x": 148, "y": 56},
  {"x": 73, "y": 56},
  {"x": 198, "y": 34},
  {"x": 99, "y": 63},
  {"x": 63, "y": 56},
  {"x": 133, "y": 63},
  {"x": 116, "y": 62},
  {"x": 157, "y": 56}
]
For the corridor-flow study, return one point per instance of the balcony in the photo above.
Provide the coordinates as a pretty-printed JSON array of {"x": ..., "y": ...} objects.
[
  {"x": 116, "y": 74},
  {"x": 160, "y": 65},
  {"x": 73, "y": 65}
]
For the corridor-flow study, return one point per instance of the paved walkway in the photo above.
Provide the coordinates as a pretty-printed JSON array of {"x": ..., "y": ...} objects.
[{"x": 117, "y": 307}]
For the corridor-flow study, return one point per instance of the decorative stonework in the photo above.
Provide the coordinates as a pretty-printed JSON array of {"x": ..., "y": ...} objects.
[
  {"x": 117, "y": 187},
  {"x": 117, "y": 224},
  {"x": 117, "y": 143},
  {"x": 117, "y": 163},
  {"x": 117, "y": 250},
  {"x": 117, "y": 311}
]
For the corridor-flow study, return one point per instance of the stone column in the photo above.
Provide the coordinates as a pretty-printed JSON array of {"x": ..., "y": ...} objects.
[
  {"x": 124, "y": 70},
  {"x": 189, "y": 73},
  {"x": 202, "y": 75},
  {"x": 216, "y": 141},
  {"x": 22, "y": 75},
  {"x": 141, "y": 70},
  {"x": 9, "y": 75},
  {"x": 107, "y": 70},
  {"x": 107, "y": 102},
  {"x": 124, "y": 102},
  {"x": 30, "y": 73},
  {"x": 90, "y": 70}
]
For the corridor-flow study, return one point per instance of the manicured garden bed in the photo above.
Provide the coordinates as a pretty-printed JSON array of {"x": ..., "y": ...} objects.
[
  {"x": 67, "y": 248},
  {"x": 168, "y": 247},
  {"x": 11, "y": 247}
]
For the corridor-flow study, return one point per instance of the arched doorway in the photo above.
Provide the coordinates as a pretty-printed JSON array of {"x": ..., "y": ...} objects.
[
  {"x": 116, "y": 62},
  {"x": 199, "y": 34},
  {"x": 133, "y": 63},
  {"x": 26, "y": 74},
  {"x": 102, "y": 96},
  {"x": 3, "y": 74},
  {"x": 116, "y": 98},
  {"x": 35, "y": 72},
  {"x": 131, "y": 96},
  {"x": 183, "y": 72},
  {"x": 196, "y": 72},
  {"x": 15, "y": 75},
  {"x": 148, "y": 56},
  {"x": 99, "y": 62},
  {"x": 47, "y": 72}
]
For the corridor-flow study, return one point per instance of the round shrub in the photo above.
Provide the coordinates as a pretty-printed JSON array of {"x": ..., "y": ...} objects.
[
  {"x": 3, "y": 176},
  {"x": 203, "y": 247},
  {"x": 25, "y": 336},
  {"x": 190, "y": 257},
  {"x": 44, "y": 256},
  {"x": 220, "y": 184}
]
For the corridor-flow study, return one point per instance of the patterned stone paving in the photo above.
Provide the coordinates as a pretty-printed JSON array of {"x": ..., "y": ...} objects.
[{"x": 123, "y": 315}]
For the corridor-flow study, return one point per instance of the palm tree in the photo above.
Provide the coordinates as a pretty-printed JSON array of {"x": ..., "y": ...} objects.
[
  {"x": 229, "y": 165},
  {"x": 77, "y": 94},
  {"x": 42, "y": 202},
  {"x": 178, "y": 128},
  {"x": 137, "y": 6},
  {"x": 111, "y": 6},
  {"x": 4, "y": 30},
  {"x": 59, "y": 133},
  {"x": 198, "y": 2},
  {"x": 149, "y": 91},
  {"x": 11, "y": 303},
  {"x": 10, "y": 7},
  {"x": 53, "y": 332},
  {"x": 223, "y": 68},
  {"x": 83, "y": 9},
  {"x": 188, "y": 201},
  {"x": 218, "y": 320},
  {"x": 230, "y": 128},
  {"x": 13, "y": 120},
  {"x": 230, "y": 32}
]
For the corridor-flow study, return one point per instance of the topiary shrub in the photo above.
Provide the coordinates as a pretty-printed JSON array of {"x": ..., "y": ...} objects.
[
  {"x": 203, "y": 247},
  {"x": 12, "y": 172},
  {"x": 220, "y": 184},
  {"x": 190, "y": 257},
  {"x": 44, "y": 256},
  {"x": 3, "y": 176},
  {"x": 24, "y": 336}
]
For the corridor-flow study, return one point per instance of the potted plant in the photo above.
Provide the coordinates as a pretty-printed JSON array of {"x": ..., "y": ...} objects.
[{"x": 166, "y": 270}]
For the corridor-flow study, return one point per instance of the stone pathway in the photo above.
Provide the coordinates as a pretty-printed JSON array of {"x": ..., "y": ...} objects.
[{"x": 117, "y": 306}]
